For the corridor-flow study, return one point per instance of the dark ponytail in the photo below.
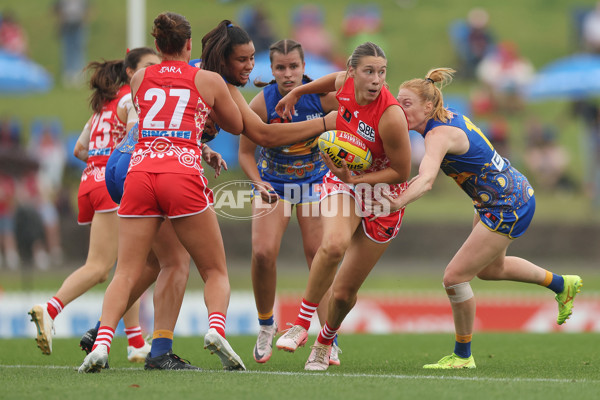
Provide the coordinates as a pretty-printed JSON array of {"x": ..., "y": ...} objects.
[
  {"x": 217, "y": 45},
  {"x": 105, "y": 82}
]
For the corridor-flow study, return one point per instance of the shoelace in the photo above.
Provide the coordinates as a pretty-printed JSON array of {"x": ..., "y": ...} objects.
[
  {"x": 320, "y": 353},
  {"x": 294, "y": 332}
]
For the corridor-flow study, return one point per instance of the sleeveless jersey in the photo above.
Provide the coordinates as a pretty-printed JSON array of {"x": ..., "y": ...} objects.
[
  {"x": 105, "y": 132},
  {"x": 308, "y": 107},
  {"x": 172, "y": 114},
  {"x": 488, "y": 178},
  {"x": 363, "y": 123}
]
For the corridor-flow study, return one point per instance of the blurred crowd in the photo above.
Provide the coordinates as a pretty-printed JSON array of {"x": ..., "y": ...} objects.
[{"x": 34, "y": 192}]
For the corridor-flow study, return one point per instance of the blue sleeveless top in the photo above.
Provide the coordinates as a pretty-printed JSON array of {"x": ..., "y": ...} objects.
[
  {"x": 308, "y": 107},
  {"x": 488, "y": 178}
]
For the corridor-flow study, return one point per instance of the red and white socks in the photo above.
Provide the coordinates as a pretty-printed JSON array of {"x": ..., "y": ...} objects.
[
  {"x": 307, "y": 310},
  {"x": 54, "y": 307},
  {"x": 216, "y": 320},
  {"x": 134, "y": 337},
  {"x": 327, "y": 334},
  {"x": 104, "y": 337}
]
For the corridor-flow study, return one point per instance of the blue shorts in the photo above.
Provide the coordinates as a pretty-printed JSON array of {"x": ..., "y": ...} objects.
[
  {"x": 295, "y": 179},
  {"x": 116, "y": 171},
  {"x": 512, "y": 223}
]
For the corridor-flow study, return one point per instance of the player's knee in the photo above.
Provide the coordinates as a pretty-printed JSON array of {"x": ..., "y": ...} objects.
[
  {"x": 264, "y": 256},
  {"x": 334, "y": 248},
  {"x": 102, "y": 277},
  {"x": 460, "y": 292},
  {"x": 344, "y": 299}
]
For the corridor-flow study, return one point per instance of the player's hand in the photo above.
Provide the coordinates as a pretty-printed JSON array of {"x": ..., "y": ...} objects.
[
  {"x": 343, "y": 173},
  {"x": 210, "y": 131},
  {"x": 381, "y": 203},
  {"x": 267, "y": 193},
  {"x": 214, "y": 159},
  {"x": 285, "y": 106}
]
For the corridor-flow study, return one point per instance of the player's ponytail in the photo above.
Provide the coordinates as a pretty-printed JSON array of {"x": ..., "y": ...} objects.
[
  {"x": 105, "y": 82},
  {"x": 429, "y": 89}
]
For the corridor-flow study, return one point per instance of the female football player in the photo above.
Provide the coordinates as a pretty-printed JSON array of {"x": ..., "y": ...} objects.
[
  {"x": 504, "y": 206},
  {"x": 283, "y": 177},
  {"x": 111, "y": 103},
  {"x": 368, "y": 111}
]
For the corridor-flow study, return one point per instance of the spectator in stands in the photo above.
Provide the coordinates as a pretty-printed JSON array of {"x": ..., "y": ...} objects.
[
  {"x": 310, "y": 31},
  {"x": 72, "y": 16},
  {"x": 362, "y": 23},
  {"x": 591, "y": 30},
  {"x": 52, "y": 158},
  {"x": 545, "y": 158},
  {"x": 13, "y": 38},
  {"x": 8, "y": 243},
  {"x": 507, "y": 74},
  {"x": 256, "y": 22},
  {"x": 480, "y": 40}
]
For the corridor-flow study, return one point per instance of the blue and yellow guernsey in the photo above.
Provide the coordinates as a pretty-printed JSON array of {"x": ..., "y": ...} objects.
[
  {"x": 299, "y": 162},
  {"x": 308, "y": 107},
  {"x": 488, "y": 178}
]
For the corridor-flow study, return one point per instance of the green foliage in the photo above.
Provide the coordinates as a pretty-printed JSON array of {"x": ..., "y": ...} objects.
[{"x": 523, "y": 366}]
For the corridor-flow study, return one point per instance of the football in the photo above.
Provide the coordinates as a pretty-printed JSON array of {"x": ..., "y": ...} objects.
[{"x": 340, "y": 145}]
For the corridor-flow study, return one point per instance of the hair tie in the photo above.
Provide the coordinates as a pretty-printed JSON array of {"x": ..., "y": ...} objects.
[
  {"x": 430, "y": 80},
  {"x": 127, "y": 51},
  {"x": 230, "y": 26}
]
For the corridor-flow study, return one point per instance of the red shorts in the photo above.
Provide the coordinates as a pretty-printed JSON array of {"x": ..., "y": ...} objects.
[
  {"x": 148, "y": 194},
  {"x": 96, "y": 201},
  {"x": 381, "y": 229}
]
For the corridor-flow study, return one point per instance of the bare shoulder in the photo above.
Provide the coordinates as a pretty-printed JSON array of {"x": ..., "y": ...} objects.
[
  {"x": 136, "y": 79},
  {"x": 393, "y": 117}
]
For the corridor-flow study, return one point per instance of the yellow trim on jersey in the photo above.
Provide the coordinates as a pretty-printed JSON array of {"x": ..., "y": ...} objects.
[{"x": 472, "y": 127}]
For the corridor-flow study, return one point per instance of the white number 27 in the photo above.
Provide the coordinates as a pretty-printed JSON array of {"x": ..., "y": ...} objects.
[{"x": 183, "y": 96}]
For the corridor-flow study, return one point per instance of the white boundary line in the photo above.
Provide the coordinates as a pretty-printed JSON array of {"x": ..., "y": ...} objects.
[{"x": 348, "y": 375}]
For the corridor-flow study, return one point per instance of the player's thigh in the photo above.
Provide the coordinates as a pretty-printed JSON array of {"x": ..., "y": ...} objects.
[
  {"x": 268, "y": 225},
  {"x": 360, "y": 259},
  {"x": 103, "y": 239},
  {"x": 311, "y": 227},
  {"x": 480, "y": 249},
  {"x": 168, "y": 249},
  {"x": 201, "y": 236}
]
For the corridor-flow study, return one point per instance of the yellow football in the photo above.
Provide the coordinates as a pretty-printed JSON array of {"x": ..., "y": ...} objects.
[{"x": 340, "y": 145}]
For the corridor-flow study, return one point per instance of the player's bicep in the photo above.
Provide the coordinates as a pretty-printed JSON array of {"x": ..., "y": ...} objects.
[
  {"x": 226, "y": 112},
  {"x": 259, "y": 106},
  {"x": 393, "y": 130},
  {"x": 436, "y": 148}
]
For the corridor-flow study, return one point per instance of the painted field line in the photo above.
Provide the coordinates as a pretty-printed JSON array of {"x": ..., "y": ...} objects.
[{"x": 349, "y": 375}]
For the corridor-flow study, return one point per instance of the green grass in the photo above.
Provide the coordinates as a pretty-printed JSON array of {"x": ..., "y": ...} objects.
[
  {"x": 521, "y": 366},
  {"x": 389, "y": 276}
]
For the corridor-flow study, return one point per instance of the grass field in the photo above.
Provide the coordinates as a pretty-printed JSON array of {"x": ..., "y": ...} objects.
[{"x": 509, "y": 366}]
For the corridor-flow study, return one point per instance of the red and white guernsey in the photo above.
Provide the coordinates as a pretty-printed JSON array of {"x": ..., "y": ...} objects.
[
  {"x": 172, "y": 114},
  {"x": 363, "y": 123},
  {"x": 106, "y": 132}
]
